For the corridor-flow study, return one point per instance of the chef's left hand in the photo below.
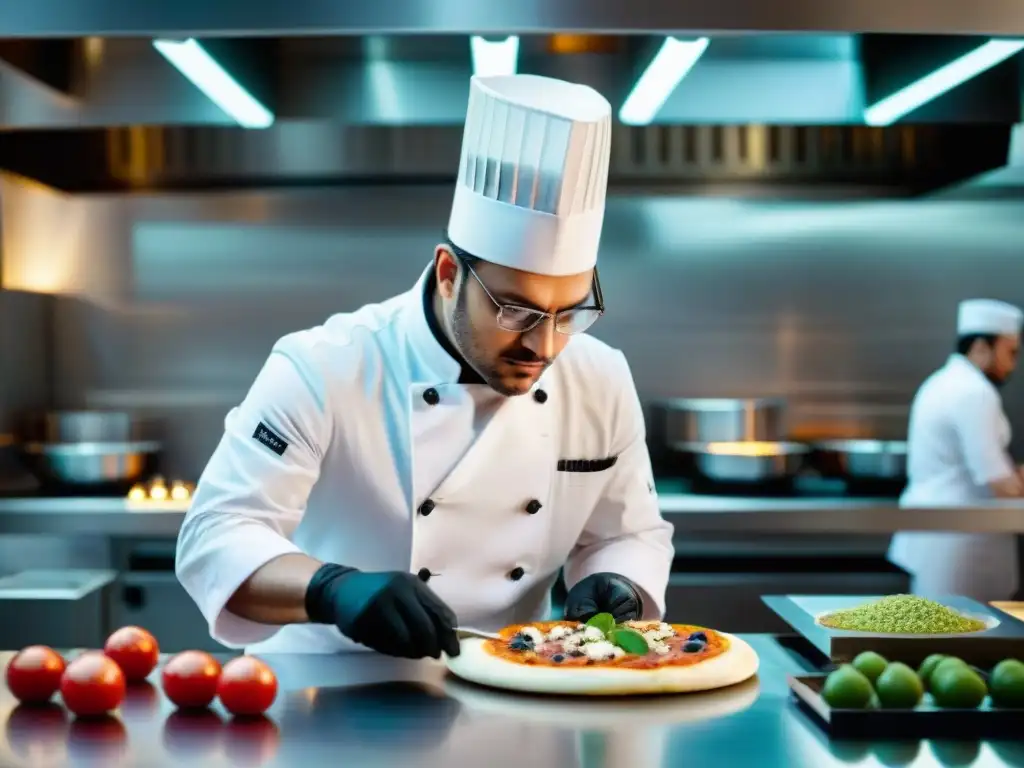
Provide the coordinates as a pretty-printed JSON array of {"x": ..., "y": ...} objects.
[{"x": 604, "y": 593}]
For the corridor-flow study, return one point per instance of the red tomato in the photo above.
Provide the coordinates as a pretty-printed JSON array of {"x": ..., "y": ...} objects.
[
  {"x": 247, "y": 686},
  {"x": 33, "y": 675},
  {"x": 92, "y": 685},
  {"x": 190, "y": 679},
  {"x": 135, "y": 650}
]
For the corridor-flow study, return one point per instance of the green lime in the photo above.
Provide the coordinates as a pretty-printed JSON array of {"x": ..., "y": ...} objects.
[
  {"x": 947, "y": 663},
  {"x": 1006, "y": 684},
  {"x": 957, "y": 686},
  {"x": 928, "y": 667},
  {"x": 846, "y": 688},
  {"x": 870, "y": 664},
  {"x": 899, "y": 687}
]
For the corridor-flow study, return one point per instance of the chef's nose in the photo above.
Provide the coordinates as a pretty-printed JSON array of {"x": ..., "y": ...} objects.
[{"x": 541, "y": 339}]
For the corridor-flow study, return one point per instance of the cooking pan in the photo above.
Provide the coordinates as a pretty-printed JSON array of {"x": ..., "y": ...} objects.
[
  {"x": 745, "y": 461},
  {"x": 861, "y": 460}
]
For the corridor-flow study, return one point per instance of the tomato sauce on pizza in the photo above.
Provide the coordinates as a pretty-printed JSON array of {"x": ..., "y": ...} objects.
[{"x": 572, "y": 644}]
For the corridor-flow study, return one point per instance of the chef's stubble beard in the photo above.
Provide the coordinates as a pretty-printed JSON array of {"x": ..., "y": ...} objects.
[{"x": 465, "y": 343}]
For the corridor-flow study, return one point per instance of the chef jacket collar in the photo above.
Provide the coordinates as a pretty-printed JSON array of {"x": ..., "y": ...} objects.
[
  {"x": 429, "y": 362},
  {"x": 957, "y": 360},
  {"x": 467, "y": 374}
]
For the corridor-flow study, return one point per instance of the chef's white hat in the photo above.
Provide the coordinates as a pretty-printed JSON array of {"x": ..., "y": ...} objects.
[
  {"x": 534, "y": 170},
  {"x": 989, "y": 317}
]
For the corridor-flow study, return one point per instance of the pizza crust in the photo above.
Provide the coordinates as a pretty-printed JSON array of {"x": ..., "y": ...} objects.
[
  {"x": 737, "y": 663},
  {"x": 605, "y": 712}
]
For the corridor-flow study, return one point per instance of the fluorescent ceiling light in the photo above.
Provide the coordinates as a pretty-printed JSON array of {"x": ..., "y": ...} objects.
[
  {"x": 192, "y": 60},
  {"x": 670, "y": 65},
  {"x": 494, "y": 58},
  {"x": 944, "y": 79}
]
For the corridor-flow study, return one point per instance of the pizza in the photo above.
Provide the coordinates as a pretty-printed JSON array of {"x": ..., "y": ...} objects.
[{"x": 601, "y": 657}]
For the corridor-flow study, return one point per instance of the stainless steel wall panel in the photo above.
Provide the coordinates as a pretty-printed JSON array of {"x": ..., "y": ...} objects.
[{"x": 843, "y": 308}]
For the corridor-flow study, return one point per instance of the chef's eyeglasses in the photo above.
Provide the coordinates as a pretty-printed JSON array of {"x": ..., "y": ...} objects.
[{"x": 519, "y": 319}]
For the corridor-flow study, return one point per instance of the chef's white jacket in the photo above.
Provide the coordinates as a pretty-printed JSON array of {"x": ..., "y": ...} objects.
[
  {"x": 355, "y": 445},
  {"x": 957, "y": 444}
]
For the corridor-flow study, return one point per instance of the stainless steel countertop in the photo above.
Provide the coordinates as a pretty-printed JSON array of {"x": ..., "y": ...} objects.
[
  {"x": 365, "y": 710},
  {"x": 688, "y": 512}
]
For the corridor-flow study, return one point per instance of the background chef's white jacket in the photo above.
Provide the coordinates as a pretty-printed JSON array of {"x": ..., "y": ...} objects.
[
  {"x": 957, "y": 444},
  {"x": 367, "y": 450}
]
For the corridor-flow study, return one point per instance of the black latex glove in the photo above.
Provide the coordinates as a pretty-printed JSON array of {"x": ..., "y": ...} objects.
[
  {"x": 391, "y": 612},
  {"x": 604, "y": 593}
]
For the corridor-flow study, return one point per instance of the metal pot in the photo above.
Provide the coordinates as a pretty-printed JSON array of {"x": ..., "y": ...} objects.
[
  {"x": 861, "y": 459},
  {"x": 746, "y": 462},
  {"x": 87, "y": 448},
  {"x": 89, "y": 463},
  {"x": 713, "y": 420},
  {"x": 84, "y": 427}
]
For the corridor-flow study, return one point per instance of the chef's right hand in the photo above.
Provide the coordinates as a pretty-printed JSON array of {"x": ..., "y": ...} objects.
[{"x": 392, "y": 612}]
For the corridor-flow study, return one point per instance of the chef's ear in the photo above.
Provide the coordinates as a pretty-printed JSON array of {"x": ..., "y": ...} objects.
[{"x": 446, "y": 270}]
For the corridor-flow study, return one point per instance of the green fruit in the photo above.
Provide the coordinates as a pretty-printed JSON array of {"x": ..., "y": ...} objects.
[
  {"x": 899, "y": 687},
  {"x": 1006, "y": 684},
  {"x": 870, "y": 664},
  {"x": 957, "y": 686},
  {"x": 947, "y": 663},
  {"x": 928, "y": 667},
  {"x": 846, "y": 688}
]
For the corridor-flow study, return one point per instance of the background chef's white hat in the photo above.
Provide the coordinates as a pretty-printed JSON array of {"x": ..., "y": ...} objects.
[
  {"x": 534, "y": 170},
  {"x": 989, "y": 317}
]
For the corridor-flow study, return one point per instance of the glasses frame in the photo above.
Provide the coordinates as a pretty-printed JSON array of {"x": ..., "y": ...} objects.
[{"x": 541, "y": 315}]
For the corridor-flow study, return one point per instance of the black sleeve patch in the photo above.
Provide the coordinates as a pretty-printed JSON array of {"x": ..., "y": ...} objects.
[{"x": 270, "y": 438}]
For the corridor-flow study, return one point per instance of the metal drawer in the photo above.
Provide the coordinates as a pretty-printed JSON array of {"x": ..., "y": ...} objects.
[{"x": 62, "y": 608}]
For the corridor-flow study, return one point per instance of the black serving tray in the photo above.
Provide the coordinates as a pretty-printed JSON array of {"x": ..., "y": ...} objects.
[
  {"x": 1004, "y": 639},
  {"x": 926, "y": 721}
]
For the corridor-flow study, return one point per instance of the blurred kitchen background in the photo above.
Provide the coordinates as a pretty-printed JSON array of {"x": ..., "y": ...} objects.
[{"x": 777, "y": 235}]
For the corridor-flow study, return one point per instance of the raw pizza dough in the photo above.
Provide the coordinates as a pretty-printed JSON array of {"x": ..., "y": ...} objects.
[{"x": 474, "y": 663}]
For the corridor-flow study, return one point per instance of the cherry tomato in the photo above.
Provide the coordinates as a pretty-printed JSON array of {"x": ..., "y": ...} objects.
[
  {"x": 190, "y": 679},
  {"x": 33, "y": 675},
  {"x": 135, "y": 650},
  {"x": 92, "y": 685},
  {"x": 247, "y": 686}
]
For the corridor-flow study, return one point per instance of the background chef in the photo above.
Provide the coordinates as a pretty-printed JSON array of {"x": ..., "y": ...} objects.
[
  {"x": 957, "y": 454},
  {"x": 425, "y": 461}
]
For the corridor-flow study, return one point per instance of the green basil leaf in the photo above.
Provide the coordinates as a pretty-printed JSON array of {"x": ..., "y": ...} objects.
[
  {"x": 630, "y": 641},
  {"x": 603, "y": 621}
]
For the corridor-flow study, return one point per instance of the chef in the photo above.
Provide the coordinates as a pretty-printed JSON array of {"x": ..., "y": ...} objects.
[
  {"x": 957, "y": 454},
  {"x": 434, "y": 460}
]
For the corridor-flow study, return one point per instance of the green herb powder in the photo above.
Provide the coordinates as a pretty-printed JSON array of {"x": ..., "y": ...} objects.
[{"x": 902, "y": 614}]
